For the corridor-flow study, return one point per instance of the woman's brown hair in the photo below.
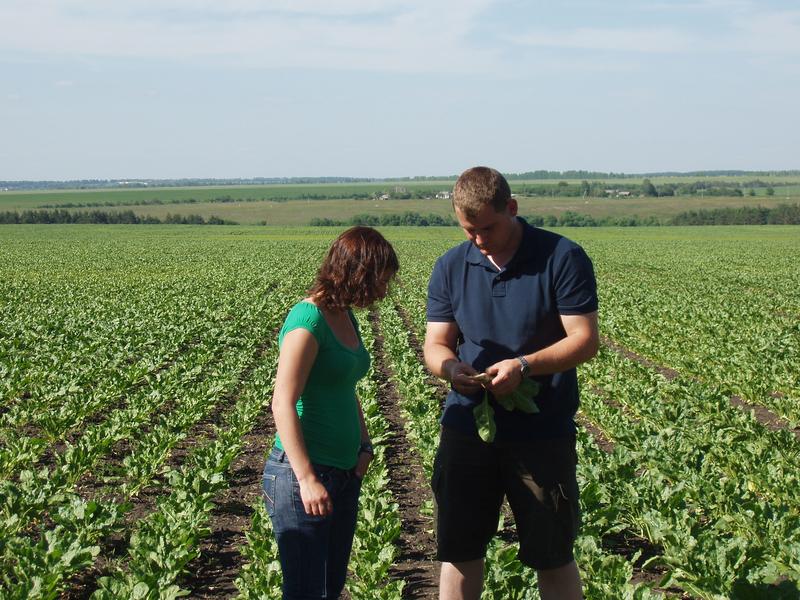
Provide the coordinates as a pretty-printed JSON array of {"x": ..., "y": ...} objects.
[{"x": 356, "y": 270}]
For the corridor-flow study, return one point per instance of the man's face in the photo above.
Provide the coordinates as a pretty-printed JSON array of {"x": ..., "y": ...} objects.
[{"x": 491, "y": 231}]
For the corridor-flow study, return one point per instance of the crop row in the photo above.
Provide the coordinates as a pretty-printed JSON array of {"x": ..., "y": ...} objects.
[
  {"x": 696, "y": 478},
  {"x": 48, "y": 491}
]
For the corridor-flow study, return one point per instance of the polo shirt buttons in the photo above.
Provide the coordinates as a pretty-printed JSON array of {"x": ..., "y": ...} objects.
[{"x": 498, "y": 288}]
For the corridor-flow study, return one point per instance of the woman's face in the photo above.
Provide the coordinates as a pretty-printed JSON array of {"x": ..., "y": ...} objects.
[{"x": 383, "y": 284}]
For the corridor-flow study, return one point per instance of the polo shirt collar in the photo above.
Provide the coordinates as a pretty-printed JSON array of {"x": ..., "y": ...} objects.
[
  {"x": 474, "y": 256},
  {"x": 525, "y": 251}
]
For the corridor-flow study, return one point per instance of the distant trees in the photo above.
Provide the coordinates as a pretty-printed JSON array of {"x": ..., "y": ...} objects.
[
  {"x": 408, "y": 219},
  {"x": 603, "y": 189},
  {"x": 98, "y": 217},
  {"x": 572, "y": 219},
  {"x": 784, "y": 214},
  {"x": 648, "y": 189}
]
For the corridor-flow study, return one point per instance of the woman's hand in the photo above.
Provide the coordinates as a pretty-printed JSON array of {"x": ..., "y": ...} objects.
[
  {"x": 316, "y": 500},
  {"x": 364, "y": 458}
]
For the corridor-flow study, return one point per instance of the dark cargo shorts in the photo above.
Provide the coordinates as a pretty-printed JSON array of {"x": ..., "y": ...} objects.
[{"x": 471, "y": 478}]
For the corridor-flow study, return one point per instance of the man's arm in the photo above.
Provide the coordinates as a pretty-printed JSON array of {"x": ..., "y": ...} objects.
[
  {"x": 439, "y": 349},
  {"x": 580, "y": 344}
]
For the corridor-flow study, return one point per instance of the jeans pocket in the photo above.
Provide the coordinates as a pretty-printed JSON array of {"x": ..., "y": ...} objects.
[
  {"x": 268, "y": 489},
  {"x": 325, "y": 474}
]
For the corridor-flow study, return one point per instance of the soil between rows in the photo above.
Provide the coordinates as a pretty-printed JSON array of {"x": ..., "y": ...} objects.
[
  {"x": 415, "y": 562},
  {"x": 761, "y": 413}
]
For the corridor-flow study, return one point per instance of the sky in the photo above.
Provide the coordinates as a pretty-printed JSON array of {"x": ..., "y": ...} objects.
[{"x": 94, "y": 89}]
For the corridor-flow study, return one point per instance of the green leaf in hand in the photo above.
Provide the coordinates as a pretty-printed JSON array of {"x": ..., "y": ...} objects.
[
  {"x": 522, "y": 397},
  {"x": 484, "y": 419}
]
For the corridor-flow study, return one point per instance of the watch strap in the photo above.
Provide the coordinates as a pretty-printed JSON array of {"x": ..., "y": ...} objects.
[{"x": 524, "y": 366}]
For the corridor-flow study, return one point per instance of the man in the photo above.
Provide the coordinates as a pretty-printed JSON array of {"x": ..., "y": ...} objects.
[{"x": 512, "y": 302}]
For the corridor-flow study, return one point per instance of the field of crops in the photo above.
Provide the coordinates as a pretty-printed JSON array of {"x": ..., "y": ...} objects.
[
  {"x": 297, "y": 204},
  {"x": 136, "y": 366}
]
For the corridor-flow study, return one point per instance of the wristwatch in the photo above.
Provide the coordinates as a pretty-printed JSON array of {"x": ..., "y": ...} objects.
[
  {"x": 366, "y": 447},
  {"x": 524, "y": 366}
]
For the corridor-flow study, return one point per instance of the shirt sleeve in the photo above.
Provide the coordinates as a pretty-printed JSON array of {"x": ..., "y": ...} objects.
[
  {"x": 305, "y": 317},
  {"x": 576, "y": 287},
  {"x": 440, "y": 306}
]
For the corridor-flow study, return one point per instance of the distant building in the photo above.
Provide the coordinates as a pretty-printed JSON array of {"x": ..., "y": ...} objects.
[
  {"x": 132, "y": 184},
  {"x": 443, "y": 195}
]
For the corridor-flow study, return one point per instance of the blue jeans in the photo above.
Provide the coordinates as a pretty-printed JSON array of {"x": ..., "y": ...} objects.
[{"x": 314, "y": 551}]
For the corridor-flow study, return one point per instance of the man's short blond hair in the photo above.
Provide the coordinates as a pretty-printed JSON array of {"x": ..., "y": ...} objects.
[{"x": 479, "y": 186}]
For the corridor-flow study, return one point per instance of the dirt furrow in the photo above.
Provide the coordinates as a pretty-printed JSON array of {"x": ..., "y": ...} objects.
[
  {"x": 761, "y": 413},
  {"x": 415, "y": 563},
  {"x": 213, "y": 573}
]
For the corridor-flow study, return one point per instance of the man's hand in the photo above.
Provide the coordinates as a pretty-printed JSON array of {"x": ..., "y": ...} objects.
[
  {"x": 458, "y": 374},
  {"x": 506, "y": 376}
]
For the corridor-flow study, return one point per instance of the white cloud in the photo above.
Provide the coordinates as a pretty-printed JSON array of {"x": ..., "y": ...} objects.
[
  {"x": 625, "y": 40},
  {"x": 412, "y": 36},
  {"x": 736, "y": 27},
  {"x": 770, "y": 33},
  {"x": 723, "y": 6},
  {"x": 357, "y": 34}
]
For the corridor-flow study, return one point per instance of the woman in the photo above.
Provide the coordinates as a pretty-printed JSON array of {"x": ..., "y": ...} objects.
[{"x": 312, "y": 478}]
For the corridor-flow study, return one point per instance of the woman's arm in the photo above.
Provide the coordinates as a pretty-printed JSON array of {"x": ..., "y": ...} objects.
[
  {"x": 298, "y": 352},
  {"x": 364, "y": 455}
]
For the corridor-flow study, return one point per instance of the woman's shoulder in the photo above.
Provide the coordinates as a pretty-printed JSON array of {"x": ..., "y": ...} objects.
[{"x": 304, "y": 315}]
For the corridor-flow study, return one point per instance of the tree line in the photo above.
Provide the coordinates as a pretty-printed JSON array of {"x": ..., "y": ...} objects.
[
  {"x": 784, "y": 214},
  {"x": 97, "y": 217},
  {"x": 407, "y": 219},
  {"x": 600, "y": 189}
]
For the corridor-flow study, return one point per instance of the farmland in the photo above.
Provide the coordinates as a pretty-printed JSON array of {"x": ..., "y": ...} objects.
[
  {"x": 296, "y": 204},
  {"x": 136, "y": 366}
]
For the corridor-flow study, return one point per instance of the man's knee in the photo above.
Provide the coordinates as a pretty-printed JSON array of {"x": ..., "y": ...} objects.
[
  {"x": 461, "y": 580},
  {"x": 563, "y": 583}
]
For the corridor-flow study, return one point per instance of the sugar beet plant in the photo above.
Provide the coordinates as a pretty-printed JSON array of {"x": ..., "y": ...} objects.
[{"x": 134, "y": 361}]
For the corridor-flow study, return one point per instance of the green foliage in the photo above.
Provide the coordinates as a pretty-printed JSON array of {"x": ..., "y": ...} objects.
[
  {"x": 484, "y": 419},
  {"x": 406, "y": 219},
  {"x": 97, "y": 217},
  {"x": 141, "y": 341},
  {"x": 520, "y": 399},
  {"x": 784, "y": 214}
]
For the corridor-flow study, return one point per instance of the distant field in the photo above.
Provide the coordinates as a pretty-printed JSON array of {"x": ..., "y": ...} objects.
[
  {"x": 36, "y": 199},
  {"x": 297, "y": 204},
  {"x": 12, "y": 200},
  {"x": 300, "y": 212}
]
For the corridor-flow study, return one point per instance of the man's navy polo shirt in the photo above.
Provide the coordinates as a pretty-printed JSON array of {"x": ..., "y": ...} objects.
[{"x": 503, "y": 314}]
